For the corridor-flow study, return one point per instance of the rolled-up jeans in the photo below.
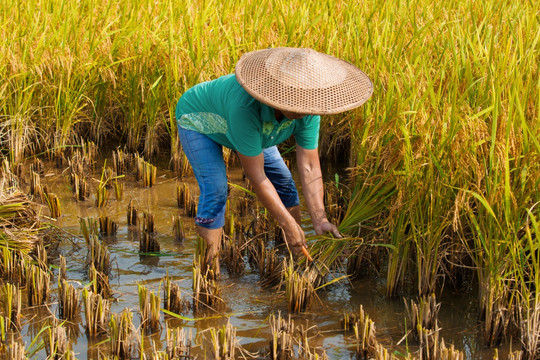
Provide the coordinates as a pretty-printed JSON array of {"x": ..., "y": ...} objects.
[{"x": 206, "y": 159}]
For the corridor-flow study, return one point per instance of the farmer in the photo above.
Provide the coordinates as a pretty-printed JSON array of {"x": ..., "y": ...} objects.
[{"x": 274, "y": 93}]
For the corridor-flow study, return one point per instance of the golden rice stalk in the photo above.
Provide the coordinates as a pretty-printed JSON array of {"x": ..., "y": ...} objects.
[
  {"x": 178, "y": 344},
  {"x": 37, "y": 285},
  {"x": 4, "y": 326},
  {"x": 96, "y": 311},
  {"x": 99, "y": 255},
  {"x": 120, "y": 162},
  {"x": 118, "y": 190},
  {"x": 123, "y": 337},
  {"x": 62, "y": 273},
  {"x": 206, "y": 292},
  {"x": 282, "y": 340},
  {"x": 80, "y": 187},
  {"x": 147, "y": 241},
  {"x": 16, "y": 351},
  {"x": 299, "y": 290},
  {"x": 149, "y": 221},
  {"x": 449, "y": 353},
  {"x": 179, "y": 233},
  {"x": 224, "y": 342},
  {"x": 149, "y": 309},
  {"x": 149, "y": 174},
  {"x": 36, "y": 190},
  {"x": 232, "y": 256},
  {"x": 102, "y": 196},
  {"x": 100, "y": 282},
  {"x": 13, "y": 264},
  {"x": 11, "y": 305},
  {"x": 54, "y": 205},
  {"x": 39, "y": 254},
  {"x": 69, "y": 300},
  {"x": 139, "y": 165},
  {"x": 132, "y": 218},
  {"x": 182, "y": 195},
  {"x": 56, "y": 342},
  {"x": 423, "y": 315},
  {"x": 364, "y": 333},
  {"x": 180, "y": 163},
  {"x": 172, "y": 297},
  {"x": 305, "y": 351},
  {"x": 89, "y": 229},
  {"x": 107, "y": 227}
]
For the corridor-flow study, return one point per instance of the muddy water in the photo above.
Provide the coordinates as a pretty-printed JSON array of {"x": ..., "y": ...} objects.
[{"x": 248, "y": 304}]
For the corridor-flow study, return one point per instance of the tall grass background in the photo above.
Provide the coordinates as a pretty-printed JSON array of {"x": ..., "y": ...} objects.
[{"x": 444, "y": 158}]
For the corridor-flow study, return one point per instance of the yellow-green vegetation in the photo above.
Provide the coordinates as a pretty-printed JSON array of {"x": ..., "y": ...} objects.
[{"x": 445, "y": 155}]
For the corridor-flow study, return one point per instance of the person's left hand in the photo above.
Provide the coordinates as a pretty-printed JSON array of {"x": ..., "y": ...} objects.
[{"x": 325, "y": 226}]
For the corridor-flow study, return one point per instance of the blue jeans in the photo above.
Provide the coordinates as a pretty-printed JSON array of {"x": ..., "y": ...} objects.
[{"x": 206, "y": 159}]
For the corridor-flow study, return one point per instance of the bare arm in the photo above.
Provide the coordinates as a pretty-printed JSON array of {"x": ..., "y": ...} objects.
[
  {"x": 309, "y": 169},
  {"x": 254, "y": 169}
]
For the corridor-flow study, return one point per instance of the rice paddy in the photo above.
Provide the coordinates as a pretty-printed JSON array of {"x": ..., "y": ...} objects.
[{"x": 435, "y": 182}]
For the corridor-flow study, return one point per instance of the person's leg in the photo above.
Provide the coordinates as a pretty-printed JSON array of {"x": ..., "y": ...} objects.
[
  {"x": 206, "y": 159},
  {"x": 280, "y": 176}
]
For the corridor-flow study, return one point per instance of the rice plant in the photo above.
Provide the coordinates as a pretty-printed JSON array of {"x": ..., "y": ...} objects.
[
  {"x": 99, "y": 282},
  {"x": 282, "y": 340},
  {"x": 99, "y": 256},
  {"x": 16, "y": 351},
  {"x": 172, "y": 297},
  {"x": 36, "y": 190},
  {"x": 206, "y": 291},
  {"x": 118, "y": 190},
  {"x": 89, "y": 229},
  {"x": 123, "y": 339},
  {"x": 102, "y": 194},
  {"x": 423, "y": 315},
  {"x": 13, "y": 265},
  {"x": 56, "y": 342},
  {"x": 54, "y": 204},
  {"x": 132, "y": 219},
  {"x": 178, "y": 228},
  {"x": 178, "y": 343},
  {"x": 232, "y": 255},
  {"x": 37, "y": 285},
  {"x": 145, "y": 171},
  {"x": 149, "y": 303},
  {"x": 223, "y": 342},
  {"x": 449, "y": 353},
  {"x": 107, "y": 227},
  {"x": 69, "y": 300},
  {"x": 121, "y": 162},
  {"x": 364, "y": 332},
  {"x": 147, "y": 241},
  {"x": 96, "y": 312},
  {"x": 11, "y": 305},
  {"x": 299, "y": 290}
]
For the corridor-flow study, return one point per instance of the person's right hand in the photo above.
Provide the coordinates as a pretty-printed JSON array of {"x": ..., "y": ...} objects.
[{"x": 294, "y": 235}]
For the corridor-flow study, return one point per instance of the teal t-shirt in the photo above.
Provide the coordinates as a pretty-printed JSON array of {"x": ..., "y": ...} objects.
[{"x": 226, "y": 113}]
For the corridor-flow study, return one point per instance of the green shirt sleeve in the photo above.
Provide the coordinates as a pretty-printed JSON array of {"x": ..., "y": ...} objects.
[{"x": 307, "y": 133}]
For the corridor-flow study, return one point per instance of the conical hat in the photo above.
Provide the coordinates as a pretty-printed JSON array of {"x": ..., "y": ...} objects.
[{"x": 303, "y": 81}]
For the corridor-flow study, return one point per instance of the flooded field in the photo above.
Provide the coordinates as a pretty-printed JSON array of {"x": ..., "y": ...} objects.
[{"x": 247, "y": 303}]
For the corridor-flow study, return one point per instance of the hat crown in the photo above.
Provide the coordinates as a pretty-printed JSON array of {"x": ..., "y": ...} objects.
[{"x": 304, "y": 68}]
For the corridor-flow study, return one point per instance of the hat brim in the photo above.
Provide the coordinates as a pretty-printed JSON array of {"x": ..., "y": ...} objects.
[{"x": 303, "y": 81}]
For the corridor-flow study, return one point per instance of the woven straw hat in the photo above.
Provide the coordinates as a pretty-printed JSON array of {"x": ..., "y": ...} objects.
[{"x": 303, "y": 81}]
